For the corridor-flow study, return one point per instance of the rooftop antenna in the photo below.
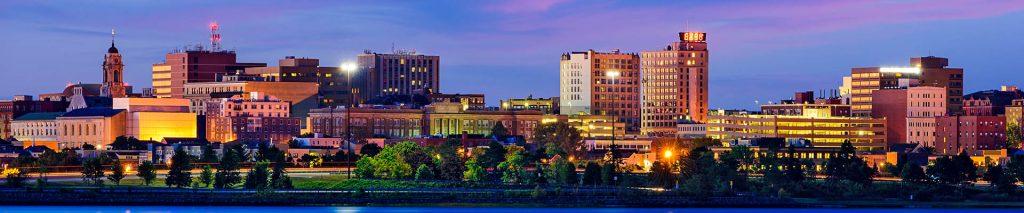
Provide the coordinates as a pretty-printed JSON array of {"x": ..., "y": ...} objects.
[{"x": 215, "y": 36}]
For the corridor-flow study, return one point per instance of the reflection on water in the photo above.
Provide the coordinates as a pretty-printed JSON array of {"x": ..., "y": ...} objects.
[{"x": 254, "y": 209}]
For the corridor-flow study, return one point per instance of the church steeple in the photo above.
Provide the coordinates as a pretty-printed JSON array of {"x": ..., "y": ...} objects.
[{"x": 113, "y": 72}]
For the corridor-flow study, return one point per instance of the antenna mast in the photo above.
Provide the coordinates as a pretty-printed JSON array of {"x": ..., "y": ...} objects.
[{"x": 215, "y": 36}]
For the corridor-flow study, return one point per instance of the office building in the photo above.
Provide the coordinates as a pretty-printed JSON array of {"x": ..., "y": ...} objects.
[
  {"x": 546, "y": 105},
  {"x": 400, "y": 73},
  {"x": 250, "y": 117},
  {"x": 935, "y": 73},
  {"x": 909, "y": 113},
  {"x": 156, "y": 118},
  {"x": 971, "y": 134},
  {"x": 819, "y": 127},
  {"x": 435, "y": 120},
  {"x": 334, "y": 87},
  {"x": 591, "y": 126},
  {"x": 864, "y": 81},
  {"x": 36, "y": 129},
  {"x": 468, "y": 101},
  {"x": 597, "y": 83},
  {"x": 193, "y": 65},
  {"x": 94, "y": 126},
  {"x": 675, "y": 84}
]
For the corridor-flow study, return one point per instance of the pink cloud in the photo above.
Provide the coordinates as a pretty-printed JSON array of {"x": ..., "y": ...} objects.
[{"x": 524, "y": 6}]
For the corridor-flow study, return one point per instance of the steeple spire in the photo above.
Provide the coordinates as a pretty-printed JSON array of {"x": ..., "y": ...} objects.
[{"x": 112, "y": 35}]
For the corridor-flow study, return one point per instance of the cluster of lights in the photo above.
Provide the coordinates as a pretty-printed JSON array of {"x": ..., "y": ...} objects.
[{"x": 900, "y": 70}]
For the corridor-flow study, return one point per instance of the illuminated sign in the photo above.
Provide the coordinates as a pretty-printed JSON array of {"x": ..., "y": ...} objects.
[
  {"x": 899, "y": 70},
  {"x": 692, "y": 36}
]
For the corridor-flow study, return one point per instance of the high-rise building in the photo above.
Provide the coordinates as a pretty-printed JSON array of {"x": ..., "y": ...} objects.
[
  {"x": 400, "y": 73},
  {"x": 935, "y": 73},
  {"x": 333, "y": 82},
  {"x": 864, "y": 81},
  {"x": 598, "y": 83},
  {"x": 193, "y": 66},
  {"x": 675, "y": 84},
  {"x": 113, "y": 73},
  {"x": 909, "y": 113}
]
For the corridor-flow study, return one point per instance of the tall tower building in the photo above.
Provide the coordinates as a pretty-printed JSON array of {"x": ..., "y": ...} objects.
[
  {"x": 935, "y": 73},
  {"x": 597, "y": 83},
  {"x": 675, "y": 81},
  {"x": 195, "y": 64},
  {"x": 113, "y": 72},
  {"x": 399, "y": 73}
]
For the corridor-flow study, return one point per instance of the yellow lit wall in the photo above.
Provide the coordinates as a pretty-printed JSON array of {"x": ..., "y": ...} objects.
[{"x": 159, "y": 125}]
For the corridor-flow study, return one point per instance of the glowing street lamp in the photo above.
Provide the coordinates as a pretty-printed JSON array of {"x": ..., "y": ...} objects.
[{"x": 668, "y": 154}]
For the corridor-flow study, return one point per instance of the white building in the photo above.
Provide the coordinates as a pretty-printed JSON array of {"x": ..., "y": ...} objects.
[{"x": 574, "y": 83}]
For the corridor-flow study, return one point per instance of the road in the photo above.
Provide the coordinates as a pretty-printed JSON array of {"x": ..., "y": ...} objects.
[{"x": 292, "y": 172}]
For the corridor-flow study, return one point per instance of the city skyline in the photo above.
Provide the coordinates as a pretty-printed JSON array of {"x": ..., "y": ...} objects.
[{"x": 496, "y": 48}]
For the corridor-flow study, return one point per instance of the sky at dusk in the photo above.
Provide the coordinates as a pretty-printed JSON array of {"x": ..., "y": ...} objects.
[{"x": 759, "y": 50}]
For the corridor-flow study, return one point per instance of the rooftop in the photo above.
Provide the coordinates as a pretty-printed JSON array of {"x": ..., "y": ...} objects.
[{"x": 93, "y": 111}]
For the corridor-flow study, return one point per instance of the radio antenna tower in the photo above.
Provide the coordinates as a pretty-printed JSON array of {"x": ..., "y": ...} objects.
[{"x": 215, "y": 36}]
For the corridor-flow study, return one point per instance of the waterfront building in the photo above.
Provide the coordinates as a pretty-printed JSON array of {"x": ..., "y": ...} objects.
[
  {"x": 675, "y": 84},
  {"x": 24, "y": 104},
  {"x": 399, "y": 73},
  {"x": 592, "y": 126},
  {"x": 434, "y": 120},
  {"x": 990, "y": 102},
  {"x": 598, "y": 83},
  {"x": 94, "y": 126},
  {"x": 250, "y": 117},
  {"x": 193, "y": 65},
  {"x": 820, "y": 127},
  {"x": 301, "y": 95},
  {"x": 36, "y": 129},
  {"x": 333, "y": 82},
  {"x": 971, "y": 134},
  {"x": 156, "y": 118},
  {"x": 468, "y": 101},
  {"x": 909, "y": 113},
  {"x": 547, "y": 105}
]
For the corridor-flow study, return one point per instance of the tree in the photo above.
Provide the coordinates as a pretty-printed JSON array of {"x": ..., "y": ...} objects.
[
  {"x": 424, "y": 173},
  {"x": 512, "y": 168},
  {"x": 452, "y": 168},
  {"x": 364, "y": 167},
  {"x": 127, "y": 143},
  {"x": 370, "y": 149},
  {"x": 474, "y": 172},
  {"x": 391, "y": 163},
  {"x": 794, "y": 172},
  {"x": 1015, "y": 168},
  {"x": 702, "y": 175},
  {"x": 92, "y": 171},
  {"x": 180, "y": 173},
  {"x": 209, "y": 155},
  {"x": 913, "y": 173},
  {"x": 964, "y": 164},
  {"x": 147, "y": 172},
  {"x": 609, "y": 175},
  {"x": 592, "y": 174},
  {"x": 999, "y": 179},
  {"x": 498, "y": 130},
  {"x": 88, "y": 147},
  {"x": 227, "y": 175},
  {"x": 493, "y": 155},
  {"x": 116, "y": 172},
  {"x": 15, "y": 177},
  {"x": 258, "y": 177},
  {"x": 558, "y": 172},
  {"x": 661, "y": 175},
  {"x": 206, "y": 177},
  {"x": 1013, "y": 136},
  {"x": 571, "y": 177},
  {"x": 559, "y": 135}
]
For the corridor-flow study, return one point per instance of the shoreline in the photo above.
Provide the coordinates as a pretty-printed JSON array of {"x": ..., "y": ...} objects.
[{"x": 452, "y": 199}]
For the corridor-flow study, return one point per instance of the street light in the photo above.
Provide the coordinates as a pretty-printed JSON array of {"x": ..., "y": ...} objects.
[
  {"x": 613, "y": 74},
  {"x": 349, "y": 68}
]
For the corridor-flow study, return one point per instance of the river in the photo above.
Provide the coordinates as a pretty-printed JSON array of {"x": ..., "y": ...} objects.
[{"x": 255, "y": 209}]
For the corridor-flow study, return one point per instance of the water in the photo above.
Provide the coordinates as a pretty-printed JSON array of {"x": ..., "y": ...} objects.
[{"x": 242, "y": 209}]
